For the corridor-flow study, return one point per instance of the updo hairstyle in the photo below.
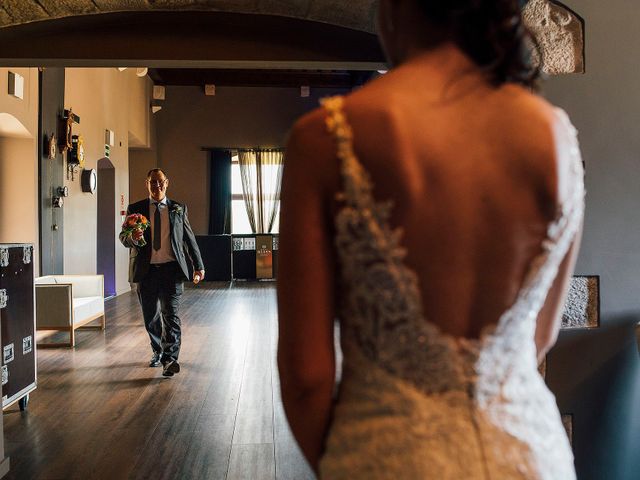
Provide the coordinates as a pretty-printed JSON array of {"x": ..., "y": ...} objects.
[{"x": 492, "y": 33}]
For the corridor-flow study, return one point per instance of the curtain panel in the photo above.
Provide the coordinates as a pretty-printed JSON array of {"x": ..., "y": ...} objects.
[
  {"x": 261, "y": 173},
  {"x": 220, "y": 192}
]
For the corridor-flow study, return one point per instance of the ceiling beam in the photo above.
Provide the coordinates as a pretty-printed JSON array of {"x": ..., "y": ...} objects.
[{"x": 188, "y": 39}]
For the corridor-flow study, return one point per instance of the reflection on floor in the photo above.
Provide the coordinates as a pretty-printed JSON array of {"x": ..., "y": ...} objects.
[{"x": 100, "y": 412}]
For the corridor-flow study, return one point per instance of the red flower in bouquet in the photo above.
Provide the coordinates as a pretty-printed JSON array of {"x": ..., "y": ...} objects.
[{"x": 135, "y": 222}]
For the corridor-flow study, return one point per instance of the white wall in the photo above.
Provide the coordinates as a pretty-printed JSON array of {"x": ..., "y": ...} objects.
[
  {"x": 18, "y": 161},
  {"x": 103, "y": 98}
]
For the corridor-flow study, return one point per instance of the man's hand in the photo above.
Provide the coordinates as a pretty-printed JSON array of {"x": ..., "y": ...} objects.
[
  {"x": 137, "y": 234},
  {"x": 198, "y": 276}
]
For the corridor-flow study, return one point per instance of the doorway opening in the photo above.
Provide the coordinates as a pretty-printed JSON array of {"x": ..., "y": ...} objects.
[{"x": 106, "y": 235}]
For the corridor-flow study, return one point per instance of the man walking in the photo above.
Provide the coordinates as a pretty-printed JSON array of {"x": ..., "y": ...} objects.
[{"x": 159, "y": 267}]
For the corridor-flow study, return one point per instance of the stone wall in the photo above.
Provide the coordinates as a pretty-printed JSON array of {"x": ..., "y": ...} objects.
[{"x": 560, "y": 34}]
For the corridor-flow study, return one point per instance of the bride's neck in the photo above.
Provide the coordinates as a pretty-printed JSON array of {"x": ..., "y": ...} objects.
[{"x": 442, "y": 65}]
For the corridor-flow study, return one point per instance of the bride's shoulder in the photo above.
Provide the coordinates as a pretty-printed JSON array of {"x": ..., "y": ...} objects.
[
  {"x": 522, "y": 106},
  {"x": 545, "y": 133}
]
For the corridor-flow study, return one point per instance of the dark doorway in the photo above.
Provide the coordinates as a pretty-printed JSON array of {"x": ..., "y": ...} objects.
[{"x": 106, "y": 248}]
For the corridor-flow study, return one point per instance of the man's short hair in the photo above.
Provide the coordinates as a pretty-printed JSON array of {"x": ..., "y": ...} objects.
[{"x": 156, "y": 170}]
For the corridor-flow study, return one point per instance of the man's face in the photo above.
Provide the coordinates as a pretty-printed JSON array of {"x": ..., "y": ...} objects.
[{"x": 157, "y": 185}]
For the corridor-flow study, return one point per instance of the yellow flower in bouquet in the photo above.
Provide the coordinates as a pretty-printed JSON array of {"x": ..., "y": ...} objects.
[{"x": 133, "y": 222}]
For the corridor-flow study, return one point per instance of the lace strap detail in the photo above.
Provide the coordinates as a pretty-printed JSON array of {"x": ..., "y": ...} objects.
[
  {"x": 560, "y": 233},
  {"x": 357, "y": 184}
]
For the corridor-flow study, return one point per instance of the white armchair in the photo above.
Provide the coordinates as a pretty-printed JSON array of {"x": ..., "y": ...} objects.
[{"x": 69, "y": 302}]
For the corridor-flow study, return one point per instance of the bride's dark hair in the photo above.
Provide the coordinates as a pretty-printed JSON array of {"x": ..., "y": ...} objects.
[{"x": 492, "y": 33}]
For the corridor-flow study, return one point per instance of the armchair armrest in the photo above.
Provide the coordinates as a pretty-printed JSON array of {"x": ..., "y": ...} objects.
[{"x": 54, "y": 305}]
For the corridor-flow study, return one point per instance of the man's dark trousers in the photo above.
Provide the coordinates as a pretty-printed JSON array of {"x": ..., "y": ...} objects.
[{"x": 159, "y": 295}]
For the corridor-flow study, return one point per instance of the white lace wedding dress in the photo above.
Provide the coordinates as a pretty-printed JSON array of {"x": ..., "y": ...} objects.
[{"x": 415, "y": 402}]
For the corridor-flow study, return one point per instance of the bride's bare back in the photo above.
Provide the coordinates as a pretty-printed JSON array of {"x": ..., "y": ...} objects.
[
  {"x": 473, "y": 173},
  {"x": 477, "y": 174}
]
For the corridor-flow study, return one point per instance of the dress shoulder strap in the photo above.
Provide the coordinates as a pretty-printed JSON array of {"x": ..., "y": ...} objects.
[
  {"x": 357, "y": 185},
  {"x": 560, "y": 232}
]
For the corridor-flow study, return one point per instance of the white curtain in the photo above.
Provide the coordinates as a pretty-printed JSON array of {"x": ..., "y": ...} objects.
[{"x": 261, "y": 174}]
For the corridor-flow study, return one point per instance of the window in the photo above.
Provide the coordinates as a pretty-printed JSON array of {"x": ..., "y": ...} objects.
[{"x": 239, "y": 219}]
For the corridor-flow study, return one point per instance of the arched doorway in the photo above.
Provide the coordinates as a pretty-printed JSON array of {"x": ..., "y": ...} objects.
[{"x": 106, "y": 234}]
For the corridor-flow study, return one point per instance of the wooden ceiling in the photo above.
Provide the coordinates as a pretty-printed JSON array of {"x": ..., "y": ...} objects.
[
  {"x": 189, "y": 40},
  {"x": 260, "y": 78}
]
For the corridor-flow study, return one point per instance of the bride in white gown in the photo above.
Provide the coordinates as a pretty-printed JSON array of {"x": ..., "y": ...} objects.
[{"x": 436, "y": 214}]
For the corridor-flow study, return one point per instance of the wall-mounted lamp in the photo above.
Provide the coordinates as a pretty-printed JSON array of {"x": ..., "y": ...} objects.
[
  {"x": 159, "y": 92},
  {"x": 141, "y": 71},
  {"x": 122, "y": 69},
  {"x": 109, "y": 137},
  {"x": 155, "y": 108},
  {"x": 16, "y": 85}
]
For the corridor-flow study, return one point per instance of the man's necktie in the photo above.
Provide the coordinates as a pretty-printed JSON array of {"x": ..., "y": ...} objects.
[{"x": 157, "y": 228}]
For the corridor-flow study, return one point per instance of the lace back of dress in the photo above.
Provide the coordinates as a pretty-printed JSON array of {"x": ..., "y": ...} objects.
[
  {"x": 382, "y": 313},
  {"x": 412, "y": 397}
]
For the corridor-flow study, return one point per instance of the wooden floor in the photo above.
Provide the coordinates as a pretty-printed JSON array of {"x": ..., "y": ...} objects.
[{"x": 100, "y": 413}]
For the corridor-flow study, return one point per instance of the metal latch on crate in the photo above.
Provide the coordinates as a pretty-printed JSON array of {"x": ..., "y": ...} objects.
[
  {"x": 4, "y": 257},
  {"x": 3, "y": 297}
]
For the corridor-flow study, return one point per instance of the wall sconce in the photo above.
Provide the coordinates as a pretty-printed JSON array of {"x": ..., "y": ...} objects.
[
  {"x": 141, "y": 71},
  {"x": 159, "y": 92},
  {"x": 16, "y": 85}
]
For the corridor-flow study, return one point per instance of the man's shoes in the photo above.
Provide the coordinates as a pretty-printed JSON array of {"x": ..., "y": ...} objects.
[
  {"x": 155, "y": 360},
  {"x": 170, "y": 368}
]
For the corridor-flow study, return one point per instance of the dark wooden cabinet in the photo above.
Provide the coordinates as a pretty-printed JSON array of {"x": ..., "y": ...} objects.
[
  {"x": 17, "y": 318},
  {"x": 216, "y": 256}
]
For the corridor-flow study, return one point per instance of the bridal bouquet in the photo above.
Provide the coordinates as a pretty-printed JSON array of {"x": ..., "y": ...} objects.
[{"x": 135, "y": 221}]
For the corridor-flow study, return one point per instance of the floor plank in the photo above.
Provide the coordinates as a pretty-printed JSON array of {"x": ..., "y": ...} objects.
[
  {"x": 252, "y": 461},
  {"x": 100, "y": 413}
]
